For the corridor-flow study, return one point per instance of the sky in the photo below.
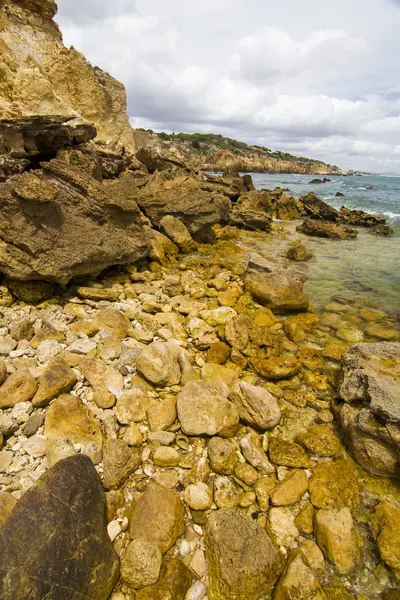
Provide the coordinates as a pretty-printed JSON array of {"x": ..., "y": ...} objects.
[{"x": 317, "y": 78}]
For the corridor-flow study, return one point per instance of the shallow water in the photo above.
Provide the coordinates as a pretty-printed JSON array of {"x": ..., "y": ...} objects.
[{"x": 366, "y": 269}]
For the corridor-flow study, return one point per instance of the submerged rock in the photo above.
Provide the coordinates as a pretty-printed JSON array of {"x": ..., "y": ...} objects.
[
  {"x": 58, "y": 522},
  {"x": 326, "y": 229},
  {"x": 385, "y": 527}
]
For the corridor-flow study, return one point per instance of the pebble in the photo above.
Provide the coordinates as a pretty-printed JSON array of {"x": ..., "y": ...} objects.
[
  {"x": 198, "y": 496},
  {"x": 197, "y": 591},
  {"x": 113, "y": 530}
]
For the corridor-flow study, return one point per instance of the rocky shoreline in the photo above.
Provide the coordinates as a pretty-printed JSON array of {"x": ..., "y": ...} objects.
[{"x": 181, "y": 384}]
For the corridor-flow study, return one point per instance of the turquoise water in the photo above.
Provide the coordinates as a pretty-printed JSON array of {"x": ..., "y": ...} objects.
[{"x": 365, "y": 270}]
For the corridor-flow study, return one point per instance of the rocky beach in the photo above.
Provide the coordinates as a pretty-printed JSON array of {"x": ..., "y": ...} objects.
[{"x": 179, "y": 418}]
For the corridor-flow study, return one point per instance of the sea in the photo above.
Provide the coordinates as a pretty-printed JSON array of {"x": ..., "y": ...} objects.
[{"x": 365, "y": 270}]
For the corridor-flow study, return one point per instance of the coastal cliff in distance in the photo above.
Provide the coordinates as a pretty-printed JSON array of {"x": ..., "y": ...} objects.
[
  {"x": 40, "y": 76},
  {"x": 213, "y": 152}
]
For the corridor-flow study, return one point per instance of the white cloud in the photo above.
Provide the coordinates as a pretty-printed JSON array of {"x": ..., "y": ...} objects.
[{"x": 316, "y": 77}]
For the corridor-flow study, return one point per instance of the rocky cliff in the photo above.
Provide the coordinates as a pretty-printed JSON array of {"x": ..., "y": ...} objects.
[
  {"x": 40, "y": 76},
  {"x": 211, "y": 152}
]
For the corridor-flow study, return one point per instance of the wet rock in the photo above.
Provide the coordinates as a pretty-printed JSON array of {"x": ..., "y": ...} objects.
[
  {"x": 222, "y": 456},
  {"x": 288, "y": 454},
  {"x": 256, "y": 405},
  {"x": 381, "y": 332},
  {"x": 298, "y": 581},
  {"x": 19, "y": 387},
  {"x": 281, "y": 526},
  {"x": 337, "y": 538},
  {"x": 319, "y": 209},
  {"x": 119, "y": 462},
  {"x": 334, "y": 485},
  {"x": 67, "y": 498},
  {"x": 242, "y": 561},
  {"x": 385, "y": 527},
  {"x": 320, "y": 440},
  {"x": 276, "y": 367},
  {"x": 279, "y": 288},
  {"x": 174, "y": 581},
  {"x": 325, "y": 229},
  {"x": 68, "y": 417},
  {"x": 383, "y": 230},
  {"x": 157, "y": 514},
  {"x": 178, "y": 233},
  {"x": 253, "y": 220},
  {"x": 7, "y": 503},
  {"x": 226, "y": 494},
  {"x": 203, "y": 411},
  {"x": 31, "y": 292},
  {"x": 237, "y": 331},
  {"x": 141, "y": 563},
  {"x": 298, "y": 252},
  {"x": 7, "y": 344},
  {"x": 57, "y": 379},
  {"x": 159, "y": 364},
  {"x": 290, "y": 490},
  {"x": 253, "y": 452},
  {"x": 304, "y": 519},
  {"x": 198, "y": 496}
]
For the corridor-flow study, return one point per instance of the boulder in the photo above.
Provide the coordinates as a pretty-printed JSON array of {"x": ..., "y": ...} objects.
[
  {"x": 157, "y": 514},
  {"x": 59, "y": 521},
  {"x": 242, "y": 561},
  {"x": 326, "y": 229},
  {"x": 256, "y": 406},
  {"x": 318, "y": 209},
  {"x": 361, "y": 218},
  {"x": 182, "y": 197},
  {"x": 278, "y": 287},
  {"x": 59, "y": 222},
  {"x": 371, "y": 424},
  {"x": 203, "y": 411},
  {"x": 251, "y": 219},
  {"x": 177, "y": 233}
]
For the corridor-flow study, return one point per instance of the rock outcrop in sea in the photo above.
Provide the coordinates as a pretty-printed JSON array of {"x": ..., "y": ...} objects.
[{"x": 177, "y": 419}]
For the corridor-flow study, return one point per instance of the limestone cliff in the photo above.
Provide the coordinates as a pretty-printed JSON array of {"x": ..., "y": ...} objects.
[{"x": 40, "y": 76}]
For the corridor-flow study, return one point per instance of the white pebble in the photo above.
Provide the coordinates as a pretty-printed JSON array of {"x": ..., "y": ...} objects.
[
  {"x": 113, "y": 530},
  {"x": 198, "y": 529},
  {"x": 197, "y": 591},
  {"x": 184, "y": 548}
]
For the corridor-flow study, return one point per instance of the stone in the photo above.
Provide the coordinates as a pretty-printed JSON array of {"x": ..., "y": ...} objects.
[
  {"x": 7, "y": 503},
  {"x": 119, "y": 462},
  {"x": 218, "y": 316},
  {"x": 298, "y": 581},
  {"x": 22, "y": 329},
  {"x": 253, "y": 452},
  {"x": 141, "y": 563},
  {"x": 67, "y": 498},
  {"x": 198, "y": 563},
  {"x": 226, "y": 494},
  {"x": 281, "y": 526},
  {"x": 6, "y": 298},
  {"x": 385, "y": 527},
  {"x": 177, "y": 233},
  {"x": 7, "y": 344},
  {"x": 133, "y": 436},
  {"x": 68, "y": 417},
  {"x": 6, "y": 459},
  {"x": 218, "y": 353},
  {"x": 325, "y": 229},
  {"x": 242, "y": 561},
  {"x": 31, "y": 292},
  {"x": 57, "y": 379},
  {"x": 277, "y": 287},
  {"x": 198, "y": 496},
  {"x": 174, "y": 582},
  {"x": 379, "y": 331},
  {"x": 97, "y": 293},
  {"x": 132, "y": 406},
  {"x": 256, "y": 406},
  {"x": 157, "y": 514},
  {"x": 320, "y": 440},
  {"x": 337, "y": 538},
  {"x": 263, "y": 488},
  {"x": 197, "y": 591},
  {"x": 107, "y": 382},
  {"x": 161, "y": 415},
  {"x": 113, "y": 322},
  {"x": 237, "y": 331},
  {"x": 19, "y": 387},
  {"x": 290, "y": 490},
  {"x": 254, "y": 220},
  {"x": 35, "y": 446},
  {"x": 202, "y": 411},
  {"x": 166, "y": 457},
  {"x": 159, "y": 364},
  {"x": 222, "y": 377},
  {"x": 287, "y": 454},
  {"x": 276, "y": 367},
  {"x": 298, "y": 252},
  {"x": 222, "y": 456},
  {"x": 246, "y": 473},
  {"x": 334, "y": 485},
  {"x": 58, "y": 448},
  {"x": 305, "y": 518},
  {"x": 351, "y": 335}
]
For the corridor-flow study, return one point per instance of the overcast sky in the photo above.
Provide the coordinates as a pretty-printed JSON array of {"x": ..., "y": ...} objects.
[{"x": 319, "y": 78}]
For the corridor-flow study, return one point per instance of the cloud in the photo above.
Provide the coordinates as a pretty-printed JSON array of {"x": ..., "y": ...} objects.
[{"x": 310, "y": 78}]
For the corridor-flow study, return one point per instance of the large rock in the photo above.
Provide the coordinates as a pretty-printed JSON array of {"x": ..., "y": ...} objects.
[
  {"x": 326, "y": 229},
  {"x": 242, "y": 561},
  {"x": 298, "y": 581},
  {"x": 251, "y": 219},
  {"x": 174, "y": 581},
  {"x": 337, "y": 538},
  {"x": 385, "y": 527},
  {"x": 278, "y": 287},
  {"x": 178, "y": 233},
  {"x": 203, "y": 411},
  {"x": 370, "y": 418},
  {"x": 54, "y": 544},
  {"x": 59, "y": 222},
  {"x": 256, "y": 406},
  {"x": 157, "y": 514},
  {"x": 318, "y": 209},
  {"x": 182, "y": 197},
  {"x": 158, "y": 363}
]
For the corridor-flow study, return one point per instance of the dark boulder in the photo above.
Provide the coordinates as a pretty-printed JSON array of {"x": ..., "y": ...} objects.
[
  {"x": 318, "y": 209},
  {"x": 383, "y": 230},
  {"x": 325, "y": 229},
  {"x": 54, "y": 544},
  {"x": 360, "y": 218}
]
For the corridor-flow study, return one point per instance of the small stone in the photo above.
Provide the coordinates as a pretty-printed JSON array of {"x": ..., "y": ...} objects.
[
  {"x": 19, "y": 387},
  {"x": 113, "y": 530},
  {"x": 82, "y": 346},
  {"x": 218, "y": 353},
  {"x": 217, "y": 316},
  {"x": 256, "y": 405},
  {"x": 133, "y": 436},
  {"x": 276, "y": 368},
  {"x": 47, "y": 350},
  {"x": 320, "y": 440},
  {"x": 107, "y": 382},
  {"x": 159, "y": 364},
  {"x": 198, "y": 563},
  {"x": 226, "y": 494},
  {"x": 288, "y": 454},
  {"x": 281, "y": 526},
  {"x": 290, "y": 490},
  {"x": 334, "y": 485},
  {"x": 246, "y": 473},
  {"x": 5, "y": 460},
  {"x": 97, "y": 293},
  {"x": 253, "y": 452},
  {"x": 162, "y": 438},
  {"x": 173, "y": 583},
  {"x": 198, "y": 496},
  {"x": 312, "y": 555},
  {"x": 222, "y": 456},
  {"x": 22, "y": 329},
  {"x": 263, "y": 488},
  {"x": 57, "y": 379},
  {"x": 115, "y": 501},
  {"x": 161, "y": 415},
  {"x": 33, "y": 424},
  {"x": 113, "y": 322},
  {"x": 298, "y": 581},
  {"x": 197, "y": 591},
  {"x": 165, "y": 456},
  {"x": 237, "y": 331},
  {"x": 7, "y": 344},
  {"x": 178, "y": 233},
  {"x": 131, "y": 406},
  {"x": 304, "y": 519},
  {"x": 119, "y": 461},
  {"x": 336, "y": 536},
  {"x": 141, "y": 563}
]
